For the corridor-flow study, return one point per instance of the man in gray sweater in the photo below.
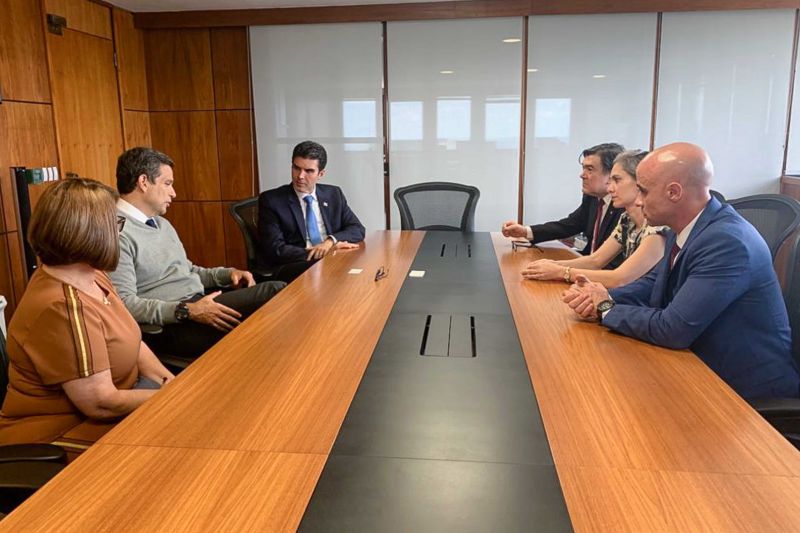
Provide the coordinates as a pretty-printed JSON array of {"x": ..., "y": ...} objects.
[{"x": 156, "y": 280}]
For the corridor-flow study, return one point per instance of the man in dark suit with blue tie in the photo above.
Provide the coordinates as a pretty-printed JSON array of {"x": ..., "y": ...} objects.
[
  {"x": 300, "y": 222},
  {"x": 715, "y": 291}
]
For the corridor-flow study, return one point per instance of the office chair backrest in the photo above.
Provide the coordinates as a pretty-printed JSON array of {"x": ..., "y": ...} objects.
[
  {"x": 775, "y": 216},
  {"x": 245, "y": 213},
  {"x": 437, "y": 205},
  {"x": 791, "y": 294}
]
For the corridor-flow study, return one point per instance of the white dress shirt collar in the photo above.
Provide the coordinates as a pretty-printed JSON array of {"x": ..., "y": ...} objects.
[
  {"x": 683, "y": 236},
  {"x": 132, "y": 211},
  {"x": 301, "y": 195}
]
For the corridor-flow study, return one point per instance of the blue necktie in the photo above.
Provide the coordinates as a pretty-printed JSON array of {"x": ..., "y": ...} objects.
[
  {"x": 151, "y": 222},
  {"x": 311, "y": 221}
]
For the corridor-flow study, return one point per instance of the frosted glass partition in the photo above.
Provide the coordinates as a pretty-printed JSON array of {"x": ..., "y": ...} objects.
[
  {"x": 793, "y": 155},
  {"x": 723, "y": 84},
  {"x": 454, "y": 90},
  {"x": 322, "y": 82},
  {"x": 590, "y": 80}
]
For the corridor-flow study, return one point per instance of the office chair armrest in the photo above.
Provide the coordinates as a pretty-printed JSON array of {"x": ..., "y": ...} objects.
[
  {"x": 263, "y": 274},
  {"x": 12, "y": 453},
  {"x": 782, "y": 413},
  {"x": 151, "y": 329},
  {"x": 777, "y": 407},
  {"x": 27, "y": 475}
]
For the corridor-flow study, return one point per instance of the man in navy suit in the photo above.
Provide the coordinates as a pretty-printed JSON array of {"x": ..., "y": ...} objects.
[
  {"x": 715, "y": 291},
  {"x": 596, "y": 217},
  {"x": 300, "y": 222}
]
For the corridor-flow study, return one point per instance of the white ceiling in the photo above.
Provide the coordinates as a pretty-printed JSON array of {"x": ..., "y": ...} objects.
[{"x": 203, "y": 5}]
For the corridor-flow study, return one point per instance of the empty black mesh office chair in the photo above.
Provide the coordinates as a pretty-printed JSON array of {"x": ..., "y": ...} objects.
[
  {"x": 784, "y": 413},
  {"x": 245, "y": 213},
  {"x": 23, "y": 467},
  {"x": 437, "y": 205},
  {"x": 775, "y": 216}
]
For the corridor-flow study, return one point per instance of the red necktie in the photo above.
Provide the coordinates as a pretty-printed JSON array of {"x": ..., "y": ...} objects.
[
  {"x": 597, "y": 219},
  {"x": 673, "y": 254}
]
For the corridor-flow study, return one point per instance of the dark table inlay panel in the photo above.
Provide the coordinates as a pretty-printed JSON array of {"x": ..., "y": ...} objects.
[
  {"x": 412, "y": 495},
  {"x": 448, "y": 336},
  {"x": 469, "y": 409},
  {"x": 495, "y": 337},
  {"x": 444, "y": 432}
]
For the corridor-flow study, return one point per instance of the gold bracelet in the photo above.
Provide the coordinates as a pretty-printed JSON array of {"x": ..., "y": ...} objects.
[{"x": 566, "y": 275}]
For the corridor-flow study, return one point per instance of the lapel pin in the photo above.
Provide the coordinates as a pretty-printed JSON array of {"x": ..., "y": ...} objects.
[{"x": 324, "y": 204}]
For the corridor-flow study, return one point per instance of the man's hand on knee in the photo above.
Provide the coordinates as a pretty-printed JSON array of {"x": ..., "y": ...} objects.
[{"x": 214, "y": 314}]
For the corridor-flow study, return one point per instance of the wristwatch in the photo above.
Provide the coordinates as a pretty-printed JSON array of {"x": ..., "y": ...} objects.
[
  {"x": 181, "y": 312},
  {"x": 604, "y": 306}
]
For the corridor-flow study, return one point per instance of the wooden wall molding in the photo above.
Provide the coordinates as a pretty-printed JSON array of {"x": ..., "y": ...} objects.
[{"x": 436, "y": 11}]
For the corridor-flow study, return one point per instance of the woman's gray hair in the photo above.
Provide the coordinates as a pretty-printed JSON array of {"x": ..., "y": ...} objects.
[{"x": 629, "y": 160}]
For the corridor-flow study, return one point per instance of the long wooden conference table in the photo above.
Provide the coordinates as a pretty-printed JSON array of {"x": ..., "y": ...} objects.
[{"x": 467, "y": 399}]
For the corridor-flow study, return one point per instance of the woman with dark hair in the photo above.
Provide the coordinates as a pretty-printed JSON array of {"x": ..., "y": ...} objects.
[
  {"x": 75, "y": 353},
  {"x": 641, "y": 245}
]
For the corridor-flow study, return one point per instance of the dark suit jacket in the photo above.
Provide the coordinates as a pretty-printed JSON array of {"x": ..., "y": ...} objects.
[
  {"x": 722, "y": 300},
  {"x": 581, "y": 220},
  {"x": 282, "y": 228}
]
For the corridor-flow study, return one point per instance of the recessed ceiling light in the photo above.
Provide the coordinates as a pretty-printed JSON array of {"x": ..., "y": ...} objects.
[
  {"x": 599, "y": 76},
  {"x": 533, "y": 70},
  {"x": 512, "y": 40},
  {"x": 446, "y": 72}
]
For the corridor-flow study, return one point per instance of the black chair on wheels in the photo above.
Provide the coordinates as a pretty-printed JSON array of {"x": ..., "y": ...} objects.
[
  {"x": 784, "y": 413},
  {"x": 245, "y": 213},
  {"x": 775, "y": 216},
  {"x": 24, "y": 468},
  {"x": 437, "y": 205}
]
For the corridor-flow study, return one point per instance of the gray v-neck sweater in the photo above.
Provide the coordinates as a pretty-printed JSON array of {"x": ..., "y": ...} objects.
[{"x": 154, "y": 273}]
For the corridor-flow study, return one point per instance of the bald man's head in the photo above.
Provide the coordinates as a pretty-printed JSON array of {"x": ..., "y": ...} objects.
[
  {"x": 674, "y": 181},
  {"x": 685, "y": 163}
]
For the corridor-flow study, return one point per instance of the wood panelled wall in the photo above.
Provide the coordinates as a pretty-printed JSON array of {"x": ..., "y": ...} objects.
[
  {"x": 198, "y": 83},
  {"x": 27, "y": 128},
  {"x": 184, "y": 92},
  {"x": 187, "y": 93},
  {"x": 83, "y": 85}
]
